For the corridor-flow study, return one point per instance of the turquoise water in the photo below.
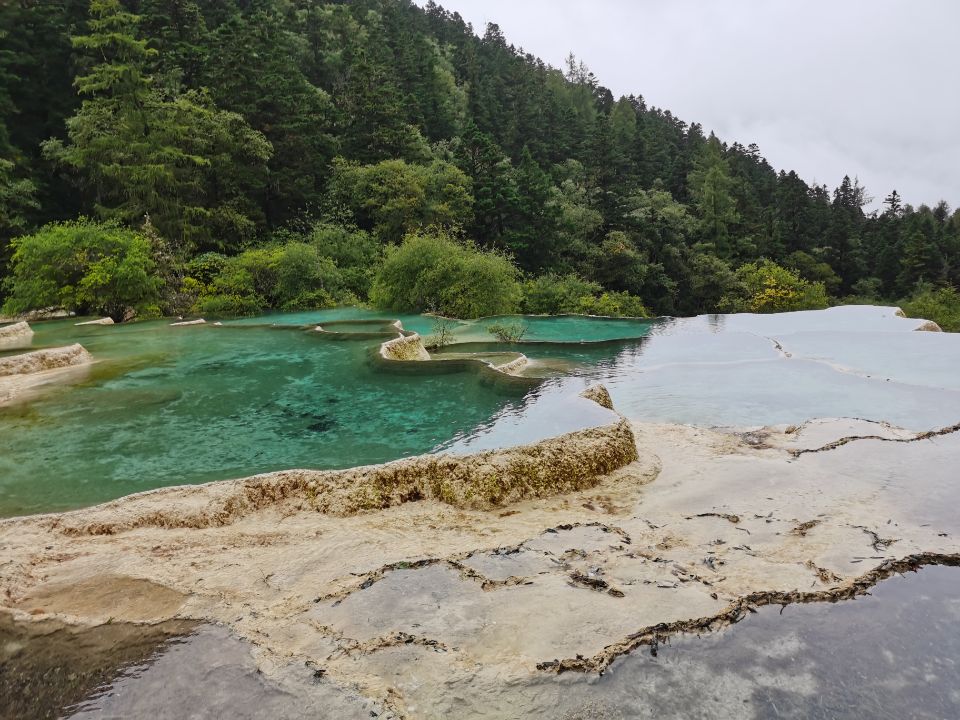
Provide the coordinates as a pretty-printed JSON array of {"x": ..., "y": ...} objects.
[{"x": 167, "y": 406}]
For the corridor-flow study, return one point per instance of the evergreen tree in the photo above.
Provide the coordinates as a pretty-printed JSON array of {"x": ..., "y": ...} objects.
[
  {"x": 252, "y": 71},
  {"x": 137, "y": 152},
  {"x": 710, "y": 186}
]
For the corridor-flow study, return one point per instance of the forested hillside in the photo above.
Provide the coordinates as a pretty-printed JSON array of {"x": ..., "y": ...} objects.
[{"x": 236, "y": 155}]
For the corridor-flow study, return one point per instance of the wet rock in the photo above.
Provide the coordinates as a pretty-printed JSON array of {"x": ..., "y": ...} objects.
[
  {"x": 98, "y": 321},
  {"x": 405, "y": 347},
  {"x": 600, "y": 395},
  {"x": 40, "y": 360},
  {"x": 16, "y": 330}
]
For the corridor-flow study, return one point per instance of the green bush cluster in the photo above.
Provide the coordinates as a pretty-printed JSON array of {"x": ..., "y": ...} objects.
[
  {"x": 291, "y": 276},
  {"x": 560, "y": 294},
  {"x": 941, "y": 305},
  {"x": 85, "y": 267},
  {"x": 430, "y": 271},
  {"x": 765, "y": 287}
]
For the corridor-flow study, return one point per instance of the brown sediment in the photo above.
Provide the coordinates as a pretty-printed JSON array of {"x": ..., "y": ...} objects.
[
  {"x": 484, "y": 480},
  {"x": 738, "y": 609},
  {"x": 126, "y": 599},
  {"x": 40, "y": 360},
  {"x": 878, "y": 543},
  {"x": 803, "y": 528},
  {"x": 456, "y": 562},
  {"x": 823, "y": 574},
  {"x": 797, "y": 452},
  {"x": 594, "y": 583},
  {"x": 729, "y": 517}
]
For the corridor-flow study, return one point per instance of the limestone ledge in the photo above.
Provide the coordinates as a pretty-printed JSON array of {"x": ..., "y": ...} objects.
[
  {"x": 16, "y": 331},
  {"x": 514, "y": 366},
  {"x": 409, "y": 347},
  {"x": 40, "y": 360},
  {"x": 480, "y": 481},
  {"x": 404, "y": 347}
]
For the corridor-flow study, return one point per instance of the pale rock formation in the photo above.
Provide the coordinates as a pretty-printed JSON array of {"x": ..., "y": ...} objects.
[
  {"x": 41, "y": 360},
  {"x": 405, "y": 347},
  {"x": 98, "y": 321}
]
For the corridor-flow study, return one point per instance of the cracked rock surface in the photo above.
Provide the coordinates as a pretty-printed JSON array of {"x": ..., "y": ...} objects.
[{"x": 424, "y": 610}]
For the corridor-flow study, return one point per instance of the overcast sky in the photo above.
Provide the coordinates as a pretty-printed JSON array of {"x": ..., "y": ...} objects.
[{"x": 824, "y": 87}]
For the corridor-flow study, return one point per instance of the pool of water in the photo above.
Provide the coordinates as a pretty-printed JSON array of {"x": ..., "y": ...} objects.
[
  {"x": 175, "y": 405},
  {"x": 167, "y": 406},
  {"x": 891, "y": 654}
]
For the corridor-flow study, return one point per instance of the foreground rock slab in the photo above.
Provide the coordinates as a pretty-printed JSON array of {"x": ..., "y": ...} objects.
[{"x": 431, "y": 610}]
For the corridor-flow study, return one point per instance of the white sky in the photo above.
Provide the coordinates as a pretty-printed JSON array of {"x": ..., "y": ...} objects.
[{"x": 824, "y": 87}]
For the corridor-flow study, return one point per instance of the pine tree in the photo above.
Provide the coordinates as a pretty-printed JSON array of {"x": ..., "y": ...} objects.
[
  {"x": 136, "y": 152},
  {"x": 710, "y": 186}
]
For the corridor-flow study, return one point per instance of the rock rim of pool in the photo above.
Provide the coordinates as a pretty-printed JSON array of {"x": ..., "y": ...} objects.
[
  {"x": 484, "y": 480},
  {"x": 41, "y": 360}
]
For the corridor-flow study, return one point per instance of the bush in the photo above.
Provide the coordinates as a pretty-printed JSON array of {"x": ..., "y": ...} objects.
[
  {"x": 442, "y": 334},
  {"x": 292, "y": 276},
  {"x": 431, "y": 271},
  {"x": 614, "y": 304},
  {"x": 508, "y": 332},
  {"x": 356, "y": 253},
  {"x": 765, "y": 287},
  {"x": 556, "y": 294},
  {"x": 85, "y": 267},
  {"x": 941, "y": 305}
]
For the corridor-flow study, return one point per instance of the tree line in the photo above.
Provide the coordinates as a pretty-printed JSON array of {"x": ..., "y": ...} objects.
[{"x": 237, "y": 155}]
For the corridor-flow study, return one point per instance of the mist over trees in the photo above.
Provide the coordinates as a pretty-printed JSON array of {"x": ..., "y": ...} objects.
[{"x": 272, "y": 153}]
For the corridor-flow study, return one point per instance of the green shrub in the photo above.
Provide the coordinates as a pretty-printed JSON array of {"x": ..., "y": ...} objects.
[
  {"x": 442, "y": 334},
  {"x": 614, "y": 304},
  {"x": 356, "y": 253},
  {"x": 941, "y": 305},
  {"x": 291, "y": 276},
  {"x": 224, "y": 304},
  {"x": 85, "y": 267},
  {"x": 765, "y": 287},
  {"x": 431, "y": 271},
  {"x": 508, "y": 332},
  {"x": 556, "y": 294}
]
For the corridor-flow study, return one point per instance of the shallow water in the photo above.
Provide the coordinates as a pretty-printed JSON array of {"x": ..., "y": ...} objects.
[
  {"x": 168, "y": 406},
  {"x": 892, "y": 654}
]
